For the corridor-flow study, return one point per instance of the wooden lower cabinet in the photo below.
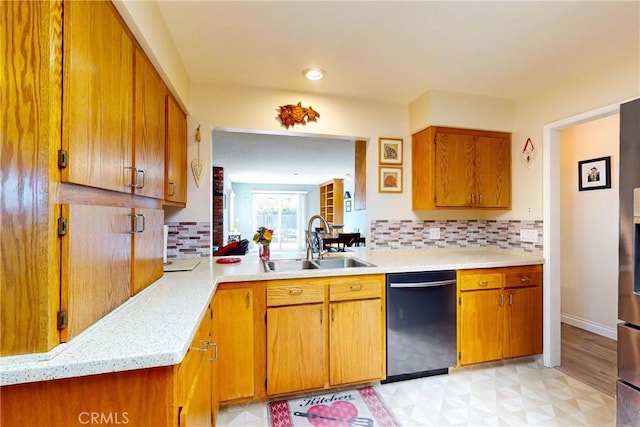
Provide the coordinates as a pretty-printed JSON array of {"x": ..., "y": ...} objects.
[
  {"x": 480, "y": 326},
  {"x": 324, "y": 332},
  {"x": 523, "y": 334},
  {"x": 239, "y": 309},
  {"x": 179, "y": 395},
  {"x": 196, "y": 385},
  {"x": 503, "y": 321},
  {"x": 296, "y": 350},
  {"x": 356, "y": 343}
]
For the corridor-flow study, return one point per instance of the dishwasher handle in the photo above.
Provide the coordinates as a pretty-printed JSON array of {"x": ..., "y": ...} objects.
[{"x": 422, "y": 284}]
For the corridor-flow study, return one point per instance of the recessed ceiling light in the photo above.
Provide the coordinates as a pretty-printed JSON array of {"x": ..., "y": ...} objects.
[{"x": 313, "y": 73}]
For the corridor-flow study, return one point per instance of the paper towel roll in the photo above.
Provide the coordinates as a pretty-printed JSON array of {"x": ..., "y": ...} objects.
[{"x": 166, "y": 239}]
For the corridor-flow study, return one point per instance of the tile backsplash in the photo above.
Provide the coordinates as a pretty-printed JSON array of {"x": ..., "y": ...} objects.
[
  {"x": 408, "y": 234},
  {"x": 193, "y": 239},
  {"x": 188, "y": 239}
]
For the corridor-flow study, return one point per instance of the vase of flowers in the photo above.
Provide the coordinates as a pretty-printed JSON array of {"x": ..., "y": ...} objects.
[{"x": 262, "y": 237}]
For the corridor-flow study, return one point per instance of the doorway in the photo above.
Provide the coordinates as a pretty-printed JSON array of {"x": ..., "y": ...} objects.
[
  {"x": 283, "y": 212},
  {"x": 551, "y": 228}
]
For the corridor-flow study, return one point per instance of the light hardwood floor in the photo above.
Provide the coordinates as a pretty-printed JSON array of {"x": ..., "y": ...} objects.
[{"x": 589, "y": 358}]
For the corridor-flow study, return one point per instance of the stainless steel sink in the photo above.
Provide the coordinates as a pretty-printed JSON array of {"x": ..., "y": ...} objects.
[
  {"x": 341, "y": 263},
  {"x": 303, "y": 264},
  {"x": 289, "y": 265}
]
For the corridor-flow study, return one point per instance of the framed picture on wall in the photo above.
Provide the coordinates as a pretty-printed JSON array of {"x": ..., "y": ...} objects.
[
  {"x": 390, "y": 151},
  {"x": 390, "y": 180},
  {"x": 594, "y": 174}
]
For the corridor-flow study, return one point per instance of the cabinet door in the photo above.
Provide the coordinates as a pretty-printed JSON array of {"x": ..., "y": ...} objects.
[
  {"x": 147, "y": 249},
  {"x": 234, "y": 308},
  {"x": 481, "y": 325},
  {"x": 97, "y": 97},
  {"x": 355, "y": 341},
  {"x": 524, "y": 321},
  {"x": 176, "y": 153},
  {"x": 295, "y": 348},
  {"x": 197, "y": 411},
  {"x": 149, "y": 124},
  {"x": 455, "y": 162},
  {"x": 493, "y": 172},
  {"x": 96, "y": 264}
]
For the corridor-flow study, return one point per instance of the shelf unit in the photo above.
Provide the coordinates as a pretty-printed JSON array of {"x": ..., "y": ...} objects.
[{"x": 331, "y": 201}]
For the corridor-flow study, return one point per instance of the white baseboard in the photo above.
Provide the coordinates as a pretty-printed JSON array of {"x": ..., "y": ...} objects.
[{"x": 590, "y": 326}]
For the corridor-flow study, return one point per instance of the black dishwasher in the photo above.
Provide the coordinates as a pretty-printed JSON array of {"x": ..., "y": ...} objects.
[{"x": 421, "y": 324}]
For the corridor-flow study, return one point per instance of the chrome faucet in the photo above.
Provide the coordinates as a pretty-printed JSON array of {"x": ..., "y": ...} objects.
[{"x": 327, "y": 230}]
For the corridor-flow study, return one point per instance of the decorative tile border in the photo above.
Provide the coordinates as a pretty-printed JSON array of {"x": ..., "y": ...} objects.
[
  {"x": 188, "y": 239},
  {"x": 415, "y": 234}
]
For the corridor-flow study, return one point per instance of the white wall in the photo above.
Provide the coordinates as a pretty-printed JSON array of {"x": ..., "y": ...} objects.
[
  {"x": 147, "y": 25},
  {"x": 225, "y": 107},
  {"x": 589, "y": 229}
]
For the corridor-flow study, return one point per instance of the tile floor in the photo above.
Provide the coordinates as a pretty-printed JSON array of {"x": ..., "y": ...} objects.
[{"x": 511, "y": 393}]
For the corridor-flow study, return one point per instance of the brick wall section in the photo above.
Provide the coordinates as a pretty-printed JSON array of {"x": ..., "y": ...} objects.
[
  {"x": 408, "y": 234},
  {"x": 188, "y": 239},
  {"x": 218, "y": 207}
]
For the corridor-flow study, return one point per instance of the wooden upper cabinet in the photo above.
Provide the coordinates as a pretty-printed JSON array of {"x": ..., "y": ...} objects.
[
  {"x": 461, "y": 168},
  {"x": 95, "y": 270},
  {"x": 176, "y": 154},
  {"x": 149, "y": 125},
  {"x": 30, "y": 111},
  {"x": 454, "y": 169},
  {"x": 147, "y": 248},
  {"x": 493, "y": 171},
  {"x": 97, "y": 130}
]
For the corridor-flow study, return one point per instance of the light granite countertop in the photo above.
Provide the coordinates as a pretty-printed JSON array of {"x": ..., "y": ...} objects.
[{"x": 155, "y": 327}]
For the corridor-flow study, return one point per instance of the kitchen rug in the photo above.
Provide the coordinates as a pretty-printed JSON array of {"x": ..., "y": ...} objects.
[{"x": 361, "y": 407}]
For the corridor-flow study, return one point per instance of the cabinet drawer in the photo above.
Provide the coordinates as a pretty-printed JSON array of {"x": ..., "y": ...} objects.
[
  {"x": 473, "y": 279},
  {"x": 354, "y": 288},
  {"x": 530, "y": 275},
  {"x": 295, "y": 293}
]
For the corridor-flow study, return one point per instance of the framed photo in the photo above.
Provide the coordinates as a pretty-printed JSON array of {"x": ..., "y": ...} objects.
[
  {"x": 390, "y": 151},
  {"x": 347, "y": 205},
  {"x": 390, "y": 179},
  {"x": 594, "y": 174}
]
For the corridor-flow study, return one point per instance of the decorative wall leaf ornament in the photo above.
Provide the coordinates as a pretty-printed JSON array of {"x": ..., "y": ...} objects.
[{"x": 290, "y": 115}]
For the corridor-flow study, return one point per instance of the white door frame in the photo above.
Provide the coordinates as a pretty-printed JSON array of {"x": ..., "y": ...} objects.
[{"x": 551, "y": 227}]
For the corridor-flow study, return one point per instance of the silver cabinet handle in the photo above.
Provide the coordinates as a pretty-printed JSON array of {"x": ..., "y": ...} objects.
[
  {"x": 215, "y": 351},
  {"x": 135, "y": 223},
  {"x": 144, "y": 178},
  {"x": 473, "y": 199},
  {"x": 480, "y": 198},
  {"x": 296, "y": 291},
  {"x": 483, "y": 283},
  {"x": 135, "y": 174},
  {"x": 510, "y": 298},
  {"x": 501, "y": 299},
  {"x": 356, "y": 287},
  {"x": 524, "y": 279}
]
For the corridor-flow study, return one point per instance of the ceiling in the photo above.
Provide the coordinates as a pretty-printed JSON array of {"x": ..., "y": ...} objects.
[
  {"x": 277, "y": 159},
  {"x": 395, "y": 51}
]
